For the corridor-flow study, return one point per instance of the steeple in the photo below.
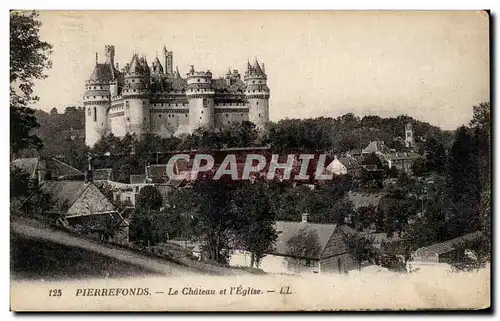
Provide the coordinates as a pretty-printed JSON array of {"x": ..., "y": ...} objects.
[{"x": 96, "y": 58}]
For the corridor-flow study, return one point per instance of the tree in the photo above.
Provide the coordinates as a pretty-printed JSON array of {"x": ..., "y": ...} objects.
[
  {"x": 420, "y": 167},
  {"x": 255, "y": 223},
  {"x": 435, "y": 153},
  {"x": 148, "y": 204},
  {"x": 463, "y": 184},
  {"x": 359, "y": 247},
  {"x": 214, "y": 218},
  {"x": 28, "y": 61},
  {"x": 303, "y": 244}
]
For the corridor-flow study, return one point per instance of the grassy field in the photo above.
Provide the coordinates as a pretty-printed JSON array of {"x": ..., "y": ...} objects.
[{"x": 36, "y": 259}]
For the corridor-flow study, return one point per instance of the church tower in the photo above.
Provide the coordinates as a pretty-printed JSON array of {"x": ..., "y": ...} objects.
[
  {"x": 200, "y": 95},
  {"x": 257, "y": 94},
  {"x": 409, "y": 139}
]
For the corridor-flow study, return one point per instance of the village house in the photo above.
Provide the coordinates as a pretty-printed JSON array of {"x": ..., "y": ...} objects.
[
  {"x": 401, "y": 160},
  {"x": 365, "y": 199},
  {"x": 77, "y": 204},
  {"x": 377, "y": 147},
  {"x": 41, "y": 169},
  {"x": 444, "y": 253},
  {"x": 345, "y": 165},
  {"x": 330, "y": 256},
  {"x": 103, "y": 174}
]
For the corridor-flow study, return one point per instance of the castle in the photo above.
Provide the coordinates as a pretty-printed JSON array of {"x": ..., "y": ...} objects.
[{"x": 157, "y": 100}]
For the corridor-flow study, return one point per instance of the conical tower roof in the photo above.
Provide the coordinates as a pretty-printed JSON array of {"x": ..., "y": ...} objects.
[{"x": 135, "y": 65}]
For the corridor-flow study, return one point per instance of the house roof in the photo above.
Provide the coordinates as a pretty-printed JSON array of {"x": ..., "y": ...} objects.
[
  {"x": 349, "y": 162},
  {"x": 28, "y": 165},
  {"x": 447, "y": 246},
  {"x": 57, "y": 168},
  {"x": 376, "y": 146},
  {"x": 286, "y": 230},
  {"x": 364, "y": 199},
  {"x": 102, "y": 73},
  {"x": 402, "y": 155},
  {"x": 102, "y": 174},
  {"x": 137, "y": 178},
  {"x": 63, "y": 193},
  {"x": 156, "y": 171}
]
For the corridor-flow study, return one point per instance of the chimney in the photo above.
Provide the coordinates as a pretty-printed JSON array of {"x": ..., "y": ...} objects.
[
  {"x": 89, "y": 177},
  {"x": 304, "y": 217}
]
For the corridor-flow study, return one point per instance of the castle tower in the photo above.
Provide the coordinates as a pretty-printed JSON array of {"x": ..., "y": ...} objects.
[
  {"x": 169, "y": 61},
  {"x": 136, "y": 95},
  {"x": 200, "y": 95},
  {"x": 409, "y": 139},
  {"x": 257, "y": 94},
  {"x": 157, "y": 67},
  {"x": 97, "y": 98}
]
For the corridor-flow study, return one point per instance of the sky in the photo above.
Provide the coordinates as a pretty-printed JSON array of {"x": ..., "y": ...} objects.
[{"x": 433, "y": 66}]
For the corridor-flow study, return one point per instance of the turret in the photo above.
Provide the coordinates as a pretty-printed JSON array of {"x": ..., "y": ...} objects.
[
  {"x": 200, "y": 95},
  {"x": 97, "y": 98},
  {"x": 257, "y": 94},
  {"x": 169, "y": 61},
  {"x": 136, "y": 95},
  {"x": 157, "y": 67}
]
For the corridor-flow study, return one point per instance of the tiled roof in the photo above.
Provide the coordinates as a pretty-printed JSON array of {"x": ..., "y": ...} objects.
[
  {"x": 102, "y": 174},
  {"x": 57, "y": 168},
  {"x": 447, "y": 246},
  {"x": 63, "y": 193},
  {"x": 137, "y": 178},
  {"x": 349, "y": 162},
  {"x": 102, "y": 73},
  {"x": 376, "y": 146},
  {"x": 402, "y": 155}
]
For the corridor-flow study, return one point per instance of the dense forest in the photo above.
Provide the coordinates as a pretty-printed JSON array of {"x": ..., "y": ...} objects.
[{"x": 63, "y": 137}]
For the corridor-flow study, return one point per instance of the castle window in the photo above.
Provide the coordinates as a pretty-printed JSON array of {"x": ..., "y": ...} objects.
[
  {"x": 259, "y": 115},
  {"x": 253, "y": 81},
  {"x": 95, "y": 114},
  {"x": 134, "y": 90},
  {"x": 128, "y": 118},
  {"x": 186, "y": 115},
  {"x": 175, "y": 105},
  {"x": 257, "y": 103},
  {"x": 133, "y": 80},
  {"x": 227, "y": 115},
  {"x": 198, "y": 80},
  {"x": 94, "y": 97},
  {"x": 229, "y": 122},
  {"x": 200, "y": 117},
  {"x": 260, "y": 82},
  {"x": 90, "y": 112},
  {"x": 159, "y": 115}
]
